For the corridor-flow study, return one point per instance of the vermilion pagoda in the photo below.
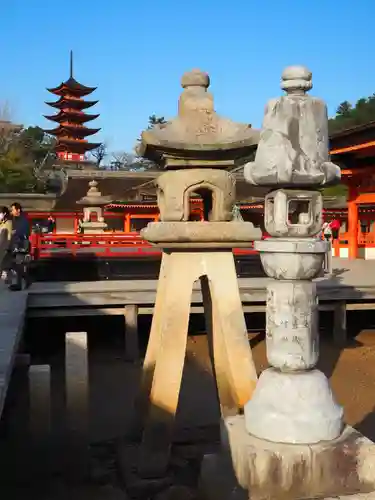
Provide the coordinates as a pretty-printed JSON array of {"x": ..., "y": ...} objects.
[{"x": 71, "y": 131}]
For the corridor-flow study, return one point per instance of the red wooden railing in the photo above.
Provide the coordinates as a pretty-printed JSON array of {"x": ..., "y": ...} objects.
[{"x": 101, "y": 245}]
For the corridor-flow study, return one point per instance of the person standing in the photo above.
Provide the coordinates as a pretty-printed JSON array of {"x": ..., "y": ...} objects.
[
  {"x": 327, "y": 231},
  {"x": 5, "y": 239},
  {"x": 335, "y": 228},
  {"x": 327, "y": 235},
  {"x": 20, "y": 247},
  {"x": 51, "y": 224},
  {"x": 21, "y": 227}
]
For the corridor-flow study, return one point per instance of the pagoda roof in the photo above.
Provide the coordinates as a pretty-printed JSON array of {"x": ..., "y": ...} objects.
[
  {"x": 75, "y": 146},
  {"x": 71, "y": 116},
  {"x": 78, "y": 131},
  {"x": 71, "y": 87},
  {"x": 66, "y": 103}
]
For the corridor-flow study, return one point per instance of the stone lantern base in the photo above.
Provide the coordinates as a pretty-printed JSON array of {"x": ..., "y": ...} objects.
[
  {"x": 248, "y": 467},
  {"x": 94, "y": 227},
  {"x": 201, "y": 234}
]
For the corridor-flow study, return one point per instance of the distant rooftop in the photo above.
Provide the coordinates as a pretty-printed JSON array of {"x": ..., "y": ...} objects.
[{"x": 8, "y": 125}]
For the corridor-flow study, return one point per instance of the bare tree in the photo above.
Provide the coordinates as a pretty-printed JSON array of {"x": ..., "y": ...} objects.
[
  {"x": 8, "y": 130},
  {"x": 121, "y": 160},
  {"x": 99, "y": 153}
]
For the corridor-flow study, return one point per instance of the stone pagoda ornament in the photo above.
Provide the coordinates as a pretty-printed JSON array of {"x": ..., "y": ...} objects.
[
  {"x": 291, "y": 442},
  {"x": 93, "y": 204},
  {"x": 196, "y": 149}
]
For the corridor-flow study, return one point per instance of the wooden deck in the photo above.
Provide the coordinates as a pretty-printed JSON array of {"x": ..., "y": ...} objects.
[
  {"x": 351, "y": 281},
  {"x": 351, "y": 287}
]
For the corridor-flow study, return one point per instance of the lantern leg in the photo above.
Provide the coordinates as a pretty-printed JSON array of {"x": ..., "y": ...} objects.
[
  {"x": 172, "y": 320},
  {"x": 218, "y": 355},
  {"x": 236, "y": 366}
]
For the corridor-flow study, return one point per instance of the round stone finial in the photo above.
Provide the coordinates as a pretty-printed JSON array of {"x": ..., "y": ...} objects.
[
  {"x": 195, "y": 78},
  {"x": 93, "y": 188},
  {"x": 296, "y": 80}
]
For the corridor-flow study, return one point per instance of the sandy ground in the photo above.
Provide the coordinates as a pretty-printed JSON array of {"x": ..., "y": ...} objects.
[{"x": 351, "y": 372}]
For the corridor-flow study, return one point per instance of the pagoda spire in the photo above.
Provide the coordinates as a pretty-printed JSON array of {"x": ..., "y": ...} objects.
[
  {"x": 71, "y": 64},
  {"x": 71, "y": 131}
]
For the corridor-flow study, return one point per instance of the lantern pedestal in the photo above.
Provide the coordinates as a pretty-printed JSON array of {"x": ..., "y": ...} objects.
[
  {"x": 164, "y": 361},
  {"x": 248, "y": 467}
]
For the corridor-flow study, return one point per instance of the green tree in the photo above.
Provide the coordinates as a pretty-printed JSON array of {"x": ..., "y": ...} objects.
[
  {"x": 348, "y": 116},
  {"x": 155, "y": 120},
  {"x": 37, "y": 146},
  {"x": 344, "y": 109},
  {"x": 23, "y": 155},
  {"x": 15, "y": 174}
]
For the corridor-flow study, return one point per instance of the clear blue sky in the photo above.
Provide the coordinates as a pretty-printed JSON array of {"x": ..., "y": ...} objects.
[{"x": 135, "y": 52}]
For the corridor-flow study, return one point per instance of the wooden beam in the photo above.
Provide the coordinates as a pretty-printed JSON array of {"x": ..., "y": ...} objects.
[
  {"x": 356, "y": 147},
  {"x": 119, "y": 311}
]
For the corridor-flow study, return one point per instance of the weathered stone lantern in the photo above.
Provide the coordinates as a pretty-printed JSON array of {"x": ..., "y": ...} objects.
[
  {"x": 292, "y": 159},
  {"x": 196, "y": 150},
  {"x": 291, "y": 443},
  {"x": 93, "y": 204}
]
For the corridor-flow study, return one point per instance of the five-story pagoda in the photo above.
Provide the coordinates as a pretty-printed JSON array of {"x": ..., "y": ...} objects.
[{"x": 71, "y": 131}]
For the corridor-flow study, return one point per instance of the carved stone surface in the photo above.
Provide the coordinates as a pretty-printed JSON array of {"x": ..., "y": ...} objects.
[
  {"x": 198, "y": 136},
  {"x": 252, "y": 468},
  {"x": 201, "y": 234},
  {"x": 293, "y": 213},
  {"x": 292, "y": 325},
  {"x": 292, "y": 258},
  {"x": 292, "y": 402},
  {"x": 293, "y": 408},
  {"x": 216, "y": 187},
  {"x": 293, "y": 145}
]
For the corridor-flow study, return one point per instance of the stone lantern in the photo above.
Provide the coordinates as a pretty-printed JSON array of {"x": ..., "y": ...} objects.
[
  {"x": 93, "y": 204},
  {"x": 292, "y": 159},
  {"x": 196, "y": 149},
  {"x": 291, "y": 443}
]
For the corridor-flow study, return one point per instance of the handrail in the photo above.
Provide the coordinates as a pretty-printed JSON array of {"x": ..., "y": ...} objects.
[{"x": 100, "y": 245}]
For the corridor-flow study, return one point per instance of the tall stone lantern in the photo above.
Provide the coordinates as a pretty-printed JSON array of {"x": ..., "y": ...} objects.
[
  {"x": 291, "y": 443},
  {"x": 292, "y": 160},
  {"x": 196, "y": 149},
  {"x": 93, "y": 203}
]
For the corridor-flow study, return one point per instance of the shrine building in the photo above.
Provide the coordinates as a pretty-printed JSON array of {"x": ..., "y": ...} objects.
[{"x": 354, "y": 151}]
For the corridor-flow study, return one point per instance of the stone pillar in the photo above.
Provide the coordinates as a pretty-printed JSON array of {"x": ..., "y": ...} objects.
[
  {"x": 131, "y": 333},
  {"x": 293, "y": 402},
  {"x": 40, "y": 402},
  {"x": 77, "y": 400}
]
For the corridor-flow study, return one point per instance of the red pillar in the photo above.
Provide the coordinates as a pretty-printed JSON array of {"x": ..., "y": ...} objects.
[
  {"x": 75, "y": 224},
  {"x": 127, "y": 223},
  {"x": 353, "y": 229}
]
